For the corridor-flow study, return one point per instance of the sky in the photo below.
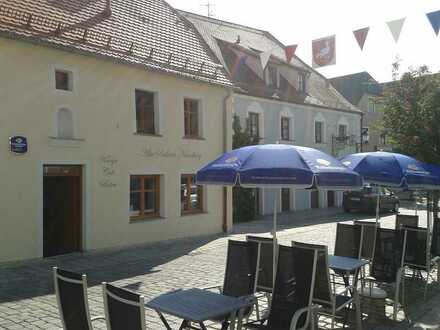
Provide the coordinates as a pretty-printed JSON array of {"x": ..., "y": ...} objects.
[{"x": 299, "y": 22}]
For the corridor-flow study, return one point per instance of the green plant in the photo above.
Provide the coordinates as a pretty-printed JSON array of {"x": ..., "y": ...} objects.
[{"x": 244, "y": 206}]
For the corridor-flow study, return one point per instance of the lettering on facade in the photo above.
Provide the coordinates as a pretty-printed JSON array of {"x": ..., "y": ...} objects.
[
  {"x": 168, "y": 153},
  {"x": 108, "y": 168}
]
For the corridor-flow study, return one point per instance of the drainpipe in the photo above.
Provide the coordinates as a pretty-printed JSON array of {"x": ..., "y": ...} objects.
[
  {"x": 361, "y": 135},
  {"x": 226, "y": 135}
]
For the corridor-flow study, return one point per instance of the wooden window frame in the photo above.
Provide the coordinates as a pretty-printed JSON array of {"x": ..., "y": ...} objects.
[
  {"x": 142, "y": 190},
  {"x": 188, "y": 118},
  {"x": 141, "y": 126},
  {"x": 189, "y": 181},
  {"x": 256, "y": 116},
  {"x": 283, "y": 128}
]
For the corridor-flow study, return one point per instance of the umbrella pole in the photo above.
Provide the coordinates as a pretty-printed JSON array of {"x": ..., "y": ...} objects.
[
  {"x": 377, "y": 205},
  {"x": 275, "y": 243}
]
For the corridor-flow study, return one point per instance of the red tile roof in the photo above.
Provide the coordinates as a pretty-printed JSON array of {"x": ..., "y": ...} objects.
[{"x": 149, "y": 33}]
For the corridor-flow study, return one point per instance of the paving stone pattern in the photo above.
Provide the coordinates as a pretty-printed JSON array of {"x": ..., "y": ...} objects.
[{"x": 26, "y": 288}]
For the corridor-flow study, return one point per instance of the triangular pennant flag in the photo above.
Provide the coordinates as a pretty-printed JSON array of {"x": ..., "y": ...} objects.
[
  {"x": 290, "y": 52},
  {"x": 361, "y": 36},
  {"x": 434, "y": 19},
  {"x": 396, "y": 28},
  {"x": 264, "y": 58}
]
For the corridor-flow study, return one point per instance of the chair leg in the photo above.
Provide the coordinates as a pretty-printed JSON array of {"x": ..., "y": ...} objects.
[
  {"x": 225, "y": 325},
  {"x": 257, "y": 309},
  {"x": 358, "y": 310}
]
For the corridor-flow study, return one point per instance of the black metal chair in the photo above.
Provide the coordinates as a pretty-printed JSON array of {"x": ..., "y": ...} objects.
[
  {"x": 367, "y": 238},
  {"x": 347, "y": 240},
  {"x": 73, "y": 306},
  {"x": 291, "y": 307},
  {"x": 124, "y": 310},
  {"x": 264, "y": 277},
  {"x": 406, "y": 220},
  {"x": 323, "y": 295},
  {"x": 240, "y": 272},
  {"x": 386, "y": 266},
  {"x": 417, "y": 253},
  {"x": 435, "y": 243}
]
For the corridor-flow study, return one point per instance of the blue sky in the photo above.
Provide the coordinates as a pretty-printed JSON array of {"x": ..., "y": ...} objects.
[{"x": 299, "y": 22}]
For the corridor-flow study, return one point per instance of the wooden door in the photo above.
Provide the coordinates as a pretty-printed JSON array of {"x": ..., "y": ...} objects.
[
  {"x": 330, "y": 198},
  {"x": 314, "y": 199},
  {"x": 62, "y": 227},
  {"x": 285, "y": 199}
]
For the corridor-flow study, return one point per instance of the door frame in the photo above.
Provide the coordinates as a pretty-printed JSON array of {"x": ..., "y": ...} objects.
[{"x": 85, "y": 202}]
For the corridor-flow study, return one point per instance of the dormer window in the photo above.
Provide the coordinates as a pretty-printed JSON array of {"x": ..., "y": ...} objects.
[
  {"x": 302, "y": 85},
  {"x": 272, "y": 76}
]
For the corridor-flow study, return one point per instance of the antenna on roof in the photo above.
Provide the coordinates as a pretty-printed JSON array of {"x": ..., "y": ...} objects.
[{"x": 209, "y": 6}]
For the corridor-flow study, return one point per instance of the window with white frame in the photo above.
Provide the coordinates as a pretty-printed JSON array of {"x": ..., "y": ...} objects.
[
  {"x": 371, "y": 105},
  {"x": 302, "y": 82},
  {"x": 319, "y": 132},
  {"x": 65, "y": 129},
  {"x": 285, "y": 128},
  {"x": 272, "y": 76},
  {"x": 342, "y": 130},
  {"x": 254, "y": 124}
]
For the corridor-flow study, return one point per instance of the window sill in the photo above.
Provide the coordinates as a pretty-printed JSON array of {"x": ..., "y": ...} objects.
[
  {"x": 146, "y": 219},
  {"x": 65, "y": 143},
  {"x": 287, "y": 141},
  {"x": 199, "y": 138},
  {"x": 193, "y": 213},
  {"x": 148, "y": 134}
]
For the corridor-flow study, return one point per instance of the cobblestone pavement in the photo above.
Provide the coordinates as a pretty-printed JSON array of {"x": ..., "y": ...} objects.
[{"x": 26, "y": 289}]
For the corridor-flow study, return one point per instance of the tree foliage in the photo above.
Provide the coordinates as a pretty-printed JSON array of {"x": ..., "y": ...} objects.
[
  {"x": 243, "y": 198},
  {"x": 411, "y": 116},
  {"x": 411, "y": 113}
]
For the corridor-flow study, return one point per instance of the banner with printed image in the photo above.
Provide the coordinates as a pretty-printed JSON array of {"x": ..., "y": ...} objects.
[{"x": 324, "y": 52}]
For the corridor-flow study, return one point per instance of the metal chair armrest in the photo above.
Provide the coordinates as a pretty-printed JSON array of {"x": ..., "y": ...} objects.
[
  {"x": 218, "y": 287},
  {"x": 346, "y": 290},
  {"x": 96, "y": 318},
  {"x": 299, "y": 313}
]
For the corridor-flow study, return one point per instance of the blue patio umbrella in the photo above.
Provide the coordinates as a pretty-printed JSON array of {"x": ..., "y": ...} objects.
[
  {"x": 278, "y": 166},
  {"x": 392, "y": 170}
]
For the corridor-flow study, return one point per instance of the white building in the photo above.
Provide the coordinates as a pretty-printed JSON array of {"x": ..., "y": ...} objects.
[{"x": 285, "y": 103}]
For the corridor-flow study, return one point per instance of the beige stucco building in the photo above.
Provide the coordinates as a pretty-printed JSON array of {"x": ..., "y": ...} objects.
[{"x": 89, "y": 160}]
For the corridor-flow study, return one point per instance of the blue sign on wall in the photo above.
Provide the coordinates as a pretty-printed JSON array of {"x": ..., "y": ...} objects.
[{"x": 18, "y": 144}]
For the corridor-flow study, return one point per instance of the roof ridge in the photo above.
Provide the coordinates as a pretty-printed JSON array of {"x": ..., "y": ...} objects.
[{"x": 211, "y": 19}]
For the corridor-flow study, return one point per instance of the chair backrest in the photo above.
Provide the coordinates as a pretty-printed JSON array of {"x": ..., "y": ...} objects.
[
  {"x": 435, "y": 243},
  {"x": 322, "y": 293},
  {"x": 387, "y": 255},
  {"x": 293, "y": 286},
  {"x": 124, "y": 310},
  {"x": 264, "y": 262},
  {"x": 347, "y": 240},
  {"x": 367, "y": 238},
  {"x": 241, "y": 266},
  {"x": 71, "y": 293},
  {"x": 406, "y": 220},
  {"x": 415, "y": 242}
]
